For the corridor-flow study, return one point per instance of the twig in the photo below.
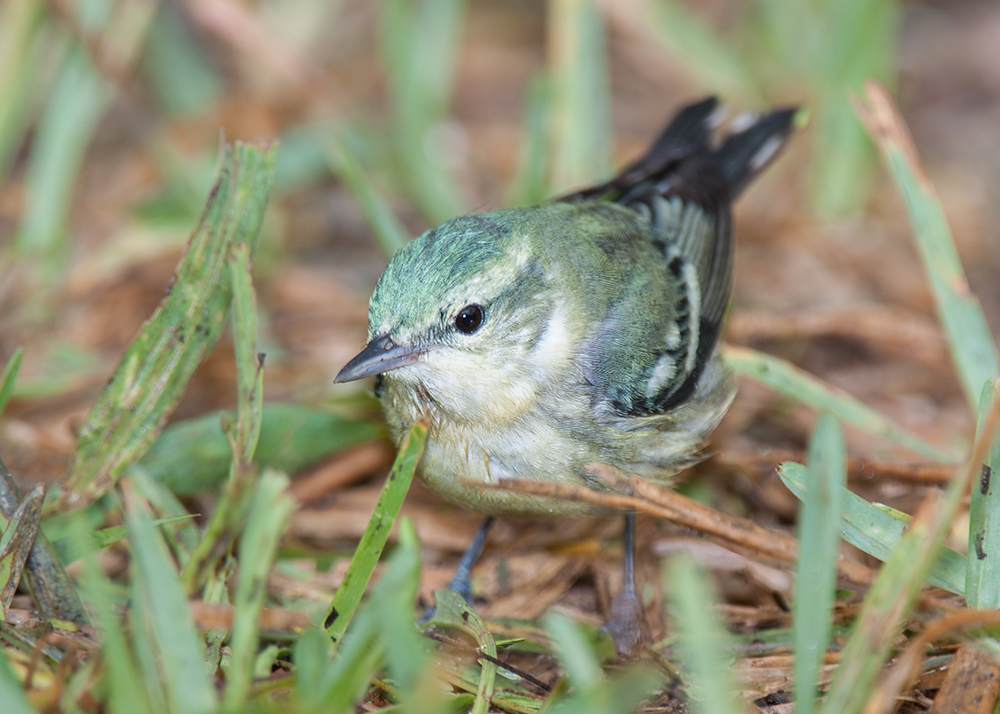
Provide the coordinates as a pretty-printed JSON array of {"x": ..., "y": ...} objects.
[
  {"x": 902, "y": 674},
  {"x": 489, "y": 658},
  {"x": 739, "y": 534},
  {"x": 928, "y": 473}
]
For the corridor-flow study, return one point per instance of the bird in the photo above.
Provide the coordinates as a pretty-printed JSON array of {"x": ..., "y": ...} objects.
[{"x": 540, "y": 340}]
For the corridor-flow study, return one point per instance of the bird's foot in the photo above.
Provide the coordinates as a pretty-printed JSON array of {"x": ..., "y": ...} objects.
[{"x": 626, "y": 624}]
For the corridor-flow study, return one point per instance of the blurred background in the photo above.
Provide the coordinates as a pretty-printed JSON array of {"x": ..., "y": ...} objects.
[{"x": 398, "y": 114}]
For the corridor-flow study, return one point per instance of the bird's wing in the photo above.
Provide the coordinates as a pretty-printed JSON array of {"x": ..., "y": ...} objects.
[{"x": 684, "y": 186}]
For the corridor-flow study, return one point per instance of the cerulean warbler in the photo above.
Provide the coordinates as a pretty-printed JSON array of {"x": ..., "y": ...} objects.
[{"x": 541, "y": 340}]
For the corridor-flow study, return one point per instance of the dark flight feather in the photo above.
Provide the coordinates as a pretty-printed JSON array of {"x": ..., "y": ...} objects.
[{"x": 684, "y": 163}]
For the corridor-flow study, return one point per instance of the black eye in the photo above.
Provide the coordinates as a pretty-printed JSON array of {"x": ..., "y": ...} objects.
[{"x": 469, "y": 319}]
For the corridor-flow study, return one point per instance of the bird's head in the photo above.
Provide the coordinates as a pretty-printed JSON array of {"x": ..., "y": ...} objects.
[{"x": 459, "y": 315}]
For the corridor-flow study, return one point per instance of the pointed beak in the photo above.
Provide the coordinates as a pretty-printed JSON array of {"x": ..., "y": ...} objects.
[{"x": 381, "y": 355}]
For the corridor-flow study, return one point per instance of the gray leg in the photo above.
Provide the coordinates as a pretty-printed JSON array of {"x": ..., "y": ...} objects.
[
  {"x": 625, "y": 623},
  {"x": 461, "y": 582}
]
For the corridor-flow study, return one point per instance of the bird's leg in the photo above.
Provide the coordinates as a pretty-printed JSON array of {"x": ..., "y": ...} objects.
[
  {"x": 461, "y": 581},
  {"x": 625, "y": 623}
]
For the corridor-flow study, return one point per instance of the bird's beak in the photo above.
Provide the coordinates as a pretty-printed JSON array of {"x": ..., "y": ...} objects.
[{"x": 381, "y": 355}]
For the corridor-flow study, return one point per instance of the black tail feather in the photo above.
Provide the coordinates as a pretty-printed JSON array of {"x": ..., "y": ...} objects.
[
  {"x": 667, "y": 167},
  {"x": 746, "y": 153}
]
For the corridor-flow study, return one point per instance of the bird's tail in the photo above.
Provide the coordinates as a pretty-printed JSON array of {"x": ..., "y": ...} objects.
[
  {"x": 671, "y": 164},
  {"x": 752, "y": 143}
]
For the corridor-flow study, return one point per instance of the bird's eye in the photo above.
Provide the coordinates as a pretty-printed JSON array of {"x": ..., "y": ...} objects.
[{"x": 469, "y": 319}]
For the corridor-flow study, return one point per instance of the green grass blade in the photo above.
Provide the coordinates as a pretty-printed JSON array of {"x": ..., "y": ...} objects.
[
  {"x": 72, "y": 549},
  {"x": 973, "y": 348},
  {"x": 972, "y": 345},
  {"x": 15, "y": 544},
  {"x": 382, "y": 632},
  {"x": 803, "y": 387},
  {"x": 429, "y": 181},
  {"x": 11, "y": 691},
  {"x": 183, "y": 534},
  {"x": 124, "y": 691},
  {"x": 703, "y": 643},
  {"x": 862, "y": 38},
  {"x": 436, "y": 38},
  {"x": 581, "y": 106},
  {"x": 241, "y": 433},
  {"x": 419, "y": 44},
  {"x": 982, "y": 578},
  {"x": 841, "y": 171},
  {"x": 858, "y": 41},
  {"x": 406, "y": 651},
  {"x": 64, "y": 369},
  {"x": 65, "y": 526},
  {"x": 887, "y": 603},
  {"x": 451, "y": 610},
  {"x": 359, "y": 572},
  {"x": 574, "y": 651},
  {"x": 249, "y": 364},
  {"x": 418, "y": 40},
  {"x": 531, "y": 186},
  {"x": 791, "y": 31},
  {"x": 706, "y": 55},
  {"x": 75, "y": 104},
  {"x": 216, "y": 591},
  {"x": 349, "y": 675},
  {"x": 179, "y": 75},
  {"x": 156, "y": 367},
  {"x": 269, "y": 512},
  {"x": 816, "y": 567},
  {"x": 52, "y": 590},
  {"x": 891, "y": 597},
  {"x": 622, "y": 692},
  {"x": 877, "y": 529},
  {"x": 20, "y": 22},
  {"x": 389, "y": 232},
  {"x": 143, "y": 639},
  {"x": 193, "y": 456},
  {"x": 311, "y": 655},
  {"x": 164, "y": 615},
  {"x": 303, "y": 162},
  {"x": 9, "y": 377}
]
